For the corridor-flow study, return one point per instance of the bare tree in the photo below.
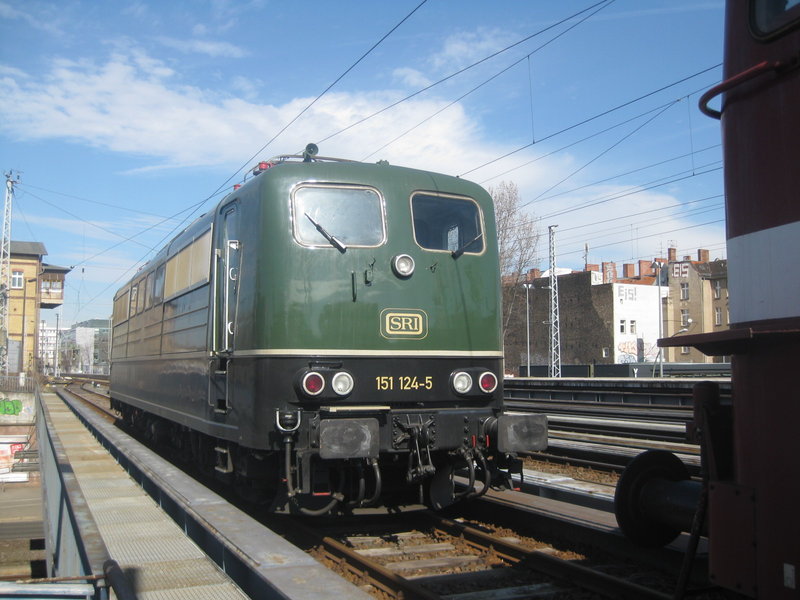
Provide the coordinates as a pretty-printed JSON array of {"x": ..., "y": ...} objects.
[{"x": 518, "y": 239}]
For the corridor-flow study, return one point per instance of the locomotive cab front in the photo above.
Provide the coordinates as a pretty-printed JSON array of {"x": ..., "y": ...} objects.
[{"x": 354, "y": 348}]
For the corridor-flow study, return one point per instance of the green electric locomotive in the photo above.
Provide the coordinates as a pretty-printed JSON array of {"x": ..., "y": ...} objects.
[{"x": 327, "y": 338}]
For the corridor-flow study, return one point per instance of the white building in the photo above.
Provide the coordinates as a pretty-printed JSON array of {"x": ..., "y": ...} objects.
[
  {"x": 84, "y": 348},
  {"x": 636, "y": 312}
]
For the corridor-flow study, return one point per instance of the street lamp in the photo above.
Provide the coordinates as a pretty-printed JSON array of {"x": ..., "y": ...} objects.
[
  {"x": 660, "y": 357},
  {"x": 527, "y": 287},
  {"x": 658, "y": 265}
]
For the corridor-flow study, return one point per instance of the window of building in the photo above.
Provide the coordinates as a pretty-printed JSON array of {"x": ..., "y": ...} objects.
[
  {"x": 717, "y": 289},
  {"x": 606, "y": 352},
  {"x": 684, "y": 317},
  {"x": 632, "y": 328},
  {"x": 622, "y": 326},
  {"x": 684, "y": 291},
  {"x": 684, "y": 349},
  {"x": 717, "y": 315},
  {"x": 16, "y": 280}
]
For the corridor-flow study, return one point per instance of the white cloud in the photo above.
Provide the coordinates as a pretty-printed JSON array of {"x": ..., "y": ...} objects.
[
  {"x": 464, "y": 48},
  {"x": 12, "y": 72},
  {"x": 626, "y": 224},
  {"x": 411, "y": 77},
  {"x": 214, "y": 49},
  {"x": 46, "y": 23},
  {"x": 135, "y": 104},
  {"x": 246, "y": 86}
]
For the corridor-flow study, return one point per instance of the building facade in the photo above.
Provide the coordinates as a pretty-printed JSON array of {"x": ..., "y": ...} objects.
[
  {"x": 601, "y": 323},
  {"x": 84, "y": 348},
  {"x": 612, "y": 318},
  {"x": 697, "y": 302},
  {"x": 34, "y": 285}
]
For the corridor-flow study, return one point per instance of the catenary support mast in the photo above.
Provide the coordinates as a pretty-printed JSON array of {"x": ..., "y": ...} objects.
[
  {"x": 5, "y": 270},
  {"x": 554, "y": 364}
]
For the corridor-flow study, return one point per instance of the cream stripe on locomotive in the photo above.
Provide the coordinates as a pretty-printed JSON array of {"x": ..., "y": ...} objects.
[
  {"x": 760, "y": 274},
  {"x": 369, "y": 353},
  {"x": 336, "y": 352}
]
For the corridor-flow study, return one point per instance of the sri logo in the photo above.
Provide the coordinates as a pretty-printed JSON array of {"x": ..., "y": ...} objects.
[{"x": 404, "y": 323}]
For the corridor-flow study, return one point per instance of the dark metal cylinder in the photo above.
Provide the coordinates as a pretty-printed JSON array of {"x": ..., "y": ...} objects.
[{"x": 670, "y": 503}]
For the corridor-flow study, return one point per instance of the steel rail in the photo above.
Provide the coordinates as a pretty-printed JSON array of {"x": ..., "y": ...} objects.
[{"x": 564, "y": 570}]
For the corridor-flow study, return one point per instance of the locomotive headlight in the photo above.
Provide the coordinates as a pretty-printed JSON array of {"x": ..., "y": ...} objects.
[
  {"x": 403, "y": 265},
  {"x": 462, "y": 382},
  {"x": 342, "y": 383},
  {"x": 313, "y": 383},
  {"x": 487, "y": 382}
]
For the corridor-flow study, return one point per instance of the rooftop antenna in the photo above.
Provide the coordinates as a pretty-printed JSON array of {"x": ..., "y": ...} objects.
[
  {"x": 5, "y": 269},
  {"x": 554, "y": 364}
]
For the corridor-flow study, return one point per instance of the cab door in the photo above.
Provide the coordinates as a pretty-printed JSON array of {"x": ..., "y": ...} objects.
[{"x": 228, "y": 259}]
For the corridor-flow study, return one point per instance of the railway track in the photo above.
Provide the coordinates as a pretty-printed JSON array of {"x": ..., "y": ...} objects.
[
  {"x": 471, "y": 553},
  {"x": 604, "y": 424},
  {"x": 428, "y": 556},
  {"x": 97, "y": 399}
]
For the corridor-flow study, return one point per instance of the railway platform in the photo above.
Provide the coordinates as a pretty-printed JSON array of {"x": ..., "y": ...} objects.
[{"x": 121, "y": 522}]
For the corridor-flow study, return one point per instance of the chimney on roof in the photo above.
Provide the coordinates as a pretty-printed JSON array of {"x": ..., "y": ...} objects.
[
  {"x": 591, "y": 267},
  {"x": 628, "y": 271},
  {"x": 672, "y": 254},
  {"x": 609, "y": 272},
  {"x": 645, "y": 268},
  {"x": 702, "y": 255}
]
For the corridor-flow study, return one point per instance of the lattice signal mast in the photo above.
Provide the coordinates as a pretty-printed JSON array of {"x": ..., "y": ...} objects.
[
  {"x": 5, "y": 269},
  {"x": 554, "y": 364}
]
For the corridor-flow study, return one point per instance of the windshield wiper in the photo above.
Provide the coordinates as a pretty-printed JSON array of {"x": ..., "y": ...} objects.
[
  {"x": 331, "y": 239},
  {"x": 460, "y": 251}
]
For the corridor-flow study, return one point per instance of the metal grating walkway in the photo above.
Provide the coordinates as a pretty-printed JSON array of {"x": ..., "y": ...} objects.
[{"x": 160, "y": 560}]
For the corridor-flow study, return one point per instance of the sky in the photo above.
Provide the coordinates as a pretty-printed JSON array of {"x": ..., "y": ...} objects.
[{"x": 126, "y": 120}]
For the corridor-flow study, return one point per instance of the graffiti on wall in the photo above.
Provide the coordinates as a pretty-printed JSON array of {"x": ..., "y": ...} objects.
[
  {"x": 17, "y": 414},
  {"x": 631, "y": 351},
  {"x": 10, "y": 407},
  {"x": 16, "y": 409}
]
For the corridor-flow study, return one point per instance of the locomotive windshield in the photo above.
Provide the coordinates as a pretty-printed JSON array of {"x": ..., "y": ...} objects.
[
  {"x": 447, "y": 223},
  {"x": 771, "y": 16},
  {"x": 350, "y": 216}
]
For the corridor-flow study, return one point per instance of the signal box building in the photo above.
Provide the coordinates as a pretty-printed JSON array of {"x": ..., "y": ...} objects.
[{"x": 34, "y": 285}]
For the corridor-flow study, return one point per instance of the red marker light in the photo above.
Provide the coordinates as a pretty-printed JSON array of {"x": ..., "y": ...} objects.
[
  {"x": 313, "y": 383},
  {"x": 488, "y": 382}
]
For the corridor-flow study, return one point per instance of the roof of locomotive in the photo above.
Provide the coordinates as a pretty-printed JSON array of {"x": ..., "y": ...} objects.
[
  {"x": 346, "y": 171},
  {"x": 304, "y": 168}
]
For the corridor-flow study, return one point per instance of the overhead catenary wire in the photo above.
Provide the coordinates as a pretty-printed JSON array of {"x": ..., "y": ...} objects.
[
  {"x": 196, "y": 206},
  {"x": 249, "y": 161},
  {"x": 592, "y": 118},
  {"x": 459, "y": 72},
  {"x": 642, "y": 237},
  {"x": 486, "y": 81},
  {"x": 601, "y": 154}
]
